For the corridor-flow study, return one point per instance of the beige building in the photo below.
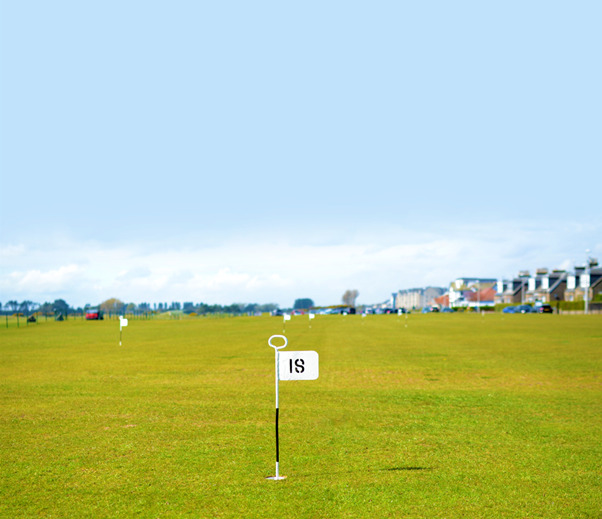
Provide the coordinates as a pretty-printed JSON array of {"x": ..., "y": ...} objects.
[{"x": 416, "y": 297}]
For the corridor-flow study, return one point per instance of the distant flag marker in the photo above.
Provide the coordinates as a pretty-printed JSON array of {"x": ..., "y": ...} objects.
[
  {"x": 285, "y": 317},
  {"x": 311, "y": 316},
  {"x": 122, "y": 323}
]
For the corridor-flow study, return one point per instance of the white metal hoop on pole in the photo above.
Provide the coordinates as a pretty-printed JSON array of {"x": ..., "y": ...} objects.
[{"x": 280, "y": 337}]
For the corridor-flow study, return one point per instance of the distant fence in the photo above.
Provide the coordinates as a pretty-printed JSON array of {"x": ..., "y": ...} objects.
[{"x": 20, "y": 319}]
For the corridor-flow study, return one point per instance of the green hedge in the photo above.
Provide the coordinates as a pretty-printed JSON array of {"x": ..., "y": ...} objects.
[
  {"x": 468, "y": 309},
  {"x": 500, "y": 306},
  {"x": 570, "y": 305}
]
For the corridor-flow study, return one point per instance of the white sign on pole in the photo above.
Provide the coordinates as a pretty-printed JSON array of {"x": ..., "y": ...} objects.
[
  {"x": 122, "y": 322},
  {"x": 311, "y": 316},
  {"x": 298, "y": 365},
  {"x": 290, "y": 365},
  {"x": 285, "y": 317}
]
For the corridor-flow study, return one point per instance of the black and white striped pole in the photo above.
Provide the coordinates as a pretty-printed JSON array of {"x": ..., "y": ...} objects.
[{"x": 290, "y": 365}]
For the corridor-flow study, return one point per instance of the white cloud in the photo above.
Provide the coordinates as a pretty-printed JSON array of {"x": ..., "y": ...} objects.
[{"x": 38, "y": 283}]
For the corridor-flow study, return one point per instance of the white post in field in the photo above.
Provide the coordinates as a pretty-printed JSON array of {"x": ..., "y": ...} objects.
[
  {"x": 122, "y": 323},
  {"x": 285, "y": 317}
]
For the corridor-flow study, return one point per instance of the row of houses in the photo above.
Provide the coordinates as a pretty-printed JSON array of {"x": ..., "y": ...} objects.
[
  {"x": 548, "y": 287},
  {"x": 545, "y": 286}
]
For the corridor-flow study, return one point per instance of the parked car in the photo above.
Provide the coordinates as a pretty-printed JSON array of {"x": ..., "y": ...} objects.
[
  {"x": 524, "y": 309},
  {"x": 509, "y": 310},
  {"x": 94, "y": 314},
  {"x": 545, "y": 309},
  {"x": 446, "y": 310},
  {"x": 429, "y": 309}
]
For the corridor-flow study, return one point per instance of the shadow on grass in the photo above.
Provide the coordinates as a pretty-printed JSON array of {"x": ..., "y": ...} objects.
[{"x": 391, "y": 469}]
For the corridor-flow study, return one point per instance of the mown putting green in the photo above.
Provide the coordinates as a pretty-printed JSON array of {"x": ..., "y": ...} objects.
[{"x": 453, "y": 416}]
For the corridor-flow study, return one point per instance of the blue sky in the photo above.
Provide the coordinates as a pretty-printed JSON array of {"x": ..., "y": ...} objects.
[{"x": 261, "y": 152}]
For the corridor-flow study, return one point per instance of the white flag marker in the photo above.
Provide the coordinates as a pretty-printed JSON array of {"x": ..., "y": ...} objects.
[
  {"x": 311, "y": 316},
  {"x": 122, "y": 322},
  {"x": 291, "y": 365},
  {"x": 285, "y": 317}
]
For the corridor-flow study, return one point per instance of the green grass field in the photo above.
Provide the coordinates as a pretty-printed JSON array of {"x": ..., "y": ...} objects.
[{"x": 451, "y": 416}]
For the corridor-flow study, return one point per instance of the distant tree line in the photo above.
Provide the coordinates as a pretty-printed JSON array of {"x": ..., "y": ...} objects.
[
  {"x": 114, "y": 306},
  {"x": 29, "y": 307},
  {"x": 235, "y": 308},
  {"x": 303, "y": 304}
]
